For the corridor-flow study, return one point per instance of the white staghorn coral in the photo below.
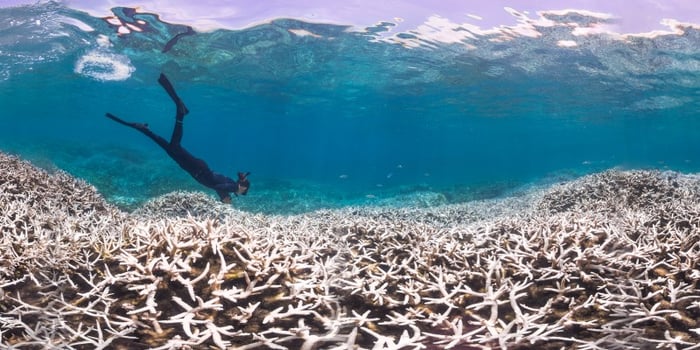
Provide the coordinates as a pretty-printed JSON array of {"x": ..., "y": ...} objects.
[{"x": 608, "y": 261}]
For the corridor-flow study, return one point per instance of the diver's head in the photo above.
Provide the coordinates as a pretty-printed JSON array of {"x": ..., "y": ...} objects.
[{"x": 243, "y": 183}]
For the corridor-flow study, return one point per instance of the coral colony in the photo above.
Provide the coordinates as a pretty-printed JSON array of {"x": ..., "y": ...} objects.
[{"x": 609, "y": 261}]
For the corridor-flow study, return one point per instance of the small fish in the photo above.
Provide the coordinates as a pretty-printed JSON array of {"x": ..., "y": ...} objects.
[
  {"x": 400, "y": 166},
  {"x": 370, "y": 196},
  {"x": 389, "y": 175},
  {"x": 343, "y": 176}
]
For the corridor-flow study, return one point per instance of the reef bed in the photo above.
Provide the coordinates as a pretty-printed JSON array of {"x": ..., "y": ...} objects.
[{"x": 607, "y": 261}]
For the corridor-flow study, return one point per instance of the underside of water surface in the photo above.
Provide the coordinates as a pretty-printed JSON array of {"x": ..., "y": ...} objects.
[{"x": 328, "y": 115}]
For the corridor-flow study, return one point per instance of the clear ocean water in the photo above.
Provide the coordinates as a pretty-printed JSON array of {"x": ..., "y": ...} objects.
[{"x": 325, "y": 115}]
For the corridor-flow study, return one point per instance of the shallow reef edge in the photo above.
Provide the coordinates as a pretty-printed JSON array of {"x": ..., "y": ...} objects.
[{"x": 609, "y": 260}]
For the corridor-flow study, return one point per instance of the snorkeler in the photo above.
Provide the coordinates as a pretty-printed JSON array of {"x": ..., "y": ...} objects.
[{"x": 194, "y": 166}]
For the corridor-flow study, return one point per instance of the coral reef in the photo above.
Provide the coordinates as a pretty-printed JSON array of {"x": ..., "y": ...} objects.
[
  {"x": 183, "y": 204},
  {"x": 44, "y": 215},
  {"x": 608, "y": 261}
]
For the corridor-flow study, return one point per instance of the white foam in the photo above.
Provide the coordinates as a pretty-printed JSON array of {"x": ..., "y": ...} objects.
[
  {"x": 593, "y": 14},
  {"x": 4, "y": 73},
  {"x": 437, "y": 29},
  {"x": 77, "y": 23},
  {"x": 660, "y": 102},
  {"x": 567, "y": 43},
  {"x": 303, "y": 32},
  {"x": 105, "y": 66},
  {"x": 103, "y": 41},
  {"x": 674, "y": 28}
]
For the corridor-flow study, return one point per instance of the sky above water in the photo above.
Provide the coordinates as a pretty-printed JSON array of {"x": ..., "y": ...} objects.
[{"x": 639, "y": 16}]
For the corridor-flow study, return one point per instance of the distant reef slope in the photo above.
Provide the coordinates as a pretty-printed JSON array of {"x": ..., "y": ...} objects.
[{"x": 606, "y": 261}]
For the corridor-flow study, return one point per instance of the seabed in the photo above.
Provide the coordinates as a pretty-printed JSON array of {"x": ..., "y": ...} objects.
[{"x": 607, "y": 261}]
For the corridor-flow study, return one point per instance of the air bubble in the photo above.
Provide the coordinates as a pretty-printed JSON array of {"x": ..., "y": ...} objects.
[{"x": 104, "y": 66}]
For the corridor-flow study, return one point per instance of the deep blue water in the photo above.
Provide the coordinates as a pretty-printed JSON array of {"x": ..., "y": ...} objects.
[{"x": 342, "y": 117}]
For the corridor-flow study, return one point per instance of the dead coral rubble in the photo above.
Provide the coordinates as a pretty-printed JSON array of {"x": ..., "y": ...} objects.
[
  {"x": 565, "y": 271},
  {"x": 619, "y": 191},
  {"x": 43, "y": 216}
]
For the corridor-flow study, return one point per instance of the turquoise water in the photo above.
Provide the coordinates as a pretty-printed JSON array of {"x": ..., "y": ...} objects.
[{"x": 340, "y": 116}]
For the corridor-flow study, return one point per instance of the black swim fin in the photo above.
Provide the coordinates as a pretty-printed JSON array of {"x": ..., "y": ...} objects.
[
  {"x": 137, "y": 126},
  {"x": 169, "y": 45},
  {"x": 165, "y": 83}
]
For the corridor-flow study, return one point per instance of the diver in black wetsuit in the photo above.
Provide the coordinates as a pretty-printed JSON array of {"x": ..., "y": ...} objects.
[{"x": 194, "y": 166}]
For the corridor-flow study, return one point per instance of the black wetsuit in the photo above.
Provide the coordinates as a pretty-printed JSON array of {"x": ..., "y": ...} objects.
[{"x": 194, "y": 166}]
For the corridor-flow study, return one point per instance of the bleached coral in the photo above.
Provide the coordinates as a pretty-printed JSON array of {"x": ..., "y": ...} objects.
[{"x": 607, "y": 261}]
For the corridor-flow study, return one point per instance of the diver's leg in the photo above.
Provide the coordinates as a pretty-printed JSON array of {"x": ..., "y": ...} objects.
[
  {"x": 142, "y": 128},
  {"x": 177, "y": 132},
  {"x": 165, "y": 83},
  {"x": 181, "y": 110}
]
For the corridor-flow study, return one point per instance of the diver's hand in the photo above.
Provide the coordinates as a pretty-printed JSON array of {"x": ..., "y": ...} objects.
[
  {"x": 243, "y": 176},
  {"x": 243, "y": 184}
]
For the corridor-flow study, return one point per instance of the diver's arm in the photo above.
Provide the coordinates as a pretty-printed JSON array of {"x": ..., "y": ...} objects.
[
  {"x": 224, "y": 196},
  {"x": 224, "y": 189}
]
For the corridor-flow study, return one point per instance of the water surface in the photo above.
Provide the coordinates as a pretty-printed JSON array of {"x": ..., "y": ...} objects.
[{"x": 327, "y": 115}]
